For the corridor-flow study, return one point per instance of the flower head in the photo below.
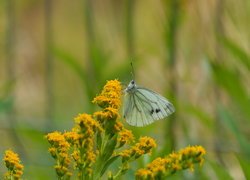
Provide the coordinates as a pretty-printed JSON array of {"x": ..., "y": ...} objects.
[
  {"x": 59, "y": 151},
  {"x": 144, "y": 146},
  {"x": 13, "y": 164},
  {"x": 144, "y": 174},
  {"x": 162, "y": 167},
  {"x": 125, "y": 136},
  {"x": 87, "y": 125},
  {"x": 110, "y": 95},
  {"x": 109, "y": 113},
  {"x": 72, "y": 137}
]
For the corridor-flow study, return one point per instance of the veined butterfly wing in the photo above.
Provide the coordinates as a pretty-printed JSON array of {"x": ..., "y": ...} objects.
[
  {"x": 143, "y": 106},
  {"x": 135, "y": 110}
]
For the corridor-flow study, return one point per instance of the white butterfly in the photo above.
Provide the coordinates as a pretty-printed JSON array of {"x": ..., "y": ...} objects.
[{"x": 143, "y": 106}]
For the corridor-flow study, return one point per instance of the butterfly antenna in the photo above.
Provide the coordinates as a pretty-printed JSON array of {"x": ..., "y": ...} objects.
[{"x": 133, "y": 71}]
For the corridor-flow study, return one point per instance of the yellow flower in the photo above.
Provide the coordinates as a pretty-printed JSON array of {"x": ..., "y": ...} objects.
[
  {"x": 13, "y": 164},
  {"x": 125, "y": 154},
  {"x": 59, "y": 151},
  {"x": 174, "y": 157},
  {"x": 53, "y": 152},
  {"x": 75, "y": 155},
  {"x": 185, "y": 158},
  {"x": 61, "y": 170},
  {"x": 57, "y": 140},
  {"x": 72, "y": 137},
  {"x": 108, "y": 113},
  {"x": 158, "y": 165},
  {"x": 144, "y": 146},
  {"x": 195, "y": 153},
  {"x": 110, "y": 95},
  {"x": 118, "y": 126},
  {"x": 90, "y": 157},
  {"x": 85, "y": 123},
  {"x": 176, "y": 167},
  {"x": 125, "y": 136},
  {"x": 144, "y": 174}
]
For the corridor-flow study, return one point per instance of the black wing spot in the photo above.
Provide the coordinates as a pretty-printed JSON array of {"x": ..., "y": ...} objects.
[
  {"x": 152, "y": 111},
  {"x": 157, "y": 110}
]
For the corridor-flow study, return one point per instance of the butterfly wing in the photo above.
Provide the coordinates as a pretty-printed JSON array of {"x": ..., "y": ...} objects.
[{"x": 143, "y": 107}]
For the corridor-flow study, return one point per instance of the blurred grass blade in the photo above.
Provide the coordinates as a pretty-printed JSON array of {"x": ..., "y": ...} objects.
[
  {"x": 99, "y": 61},
  {"x": 70, "y": 61},
  {"x": 6, "y": 103},
  {"x": 109, "y": 162},
  {"x": 245, "y": 166},
  {"x": 79, "y": 71},
  {"x": 230, "y": 122},
  {"x": 231, "y": 83},
  {"x": 204, "y": 117},
  {"x": 123, "y": 70},
  {"x": 221, "y": 172},
  {"x": 236, "y": 51}
]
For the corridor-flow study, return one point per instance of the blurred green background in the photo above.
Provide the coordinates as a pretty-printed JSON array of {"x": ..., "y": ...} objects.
[{"x": 55, "y": 56}]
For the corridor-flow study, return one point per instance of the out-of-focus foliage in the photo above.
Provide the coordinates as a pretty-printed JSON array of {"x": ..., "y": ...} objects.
[{"x": 196, "y": 52}]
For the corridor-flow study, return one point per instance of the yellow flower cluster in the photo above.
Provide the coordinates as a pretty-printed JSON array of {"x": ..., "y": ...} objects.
[
  {"x": 162, "y": 167},
  {"x": 81, "y": 138},
  {"x": 13, "y": 164},
  {"x": 125, "y": 137},
  {"x": 109, "y": 113},
  {"x": 87, "y": 125},
  {"x": 110, "y": 101},
  {"x": 110, "y": 95},
  {"x": 59, "y": 151},
  {"x": 144, "y": 146}
]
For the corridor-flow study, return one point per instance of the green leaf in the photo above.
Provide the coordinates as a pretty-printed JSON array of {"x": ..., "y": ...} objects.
[
  {"x": 6, "y": 103},
  {"x": 123, "y": 70},
  {"x": 78, "y": 69},
  {"x": 228, "y": 120},
  {"x": 245, "y": 166},
  {"x": 109, "y": 148},
  {"x": 99, "y": 140},
  {"x": 110, "y": 161},
  {"x": 99, "y": 61},
  {"x": 237, "y": 51},
  {"x": 221, "y": 172},
  {"x": 70, "y": 61},
  {"x": 231, "y": 83},
  {"x": 204, "y": 117}
]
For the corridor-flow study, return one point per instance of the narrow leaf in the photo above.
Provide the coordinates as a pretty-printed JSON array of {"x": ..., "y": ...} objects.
[{"x": 110, "y": 161}]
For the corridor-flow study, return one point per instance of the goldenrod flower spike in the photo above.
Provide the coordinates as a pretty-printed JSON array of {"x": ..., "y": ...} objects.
[
  {"x": 163, "y": 167},
  {"x": 13, "y": 164},
  {"x": 110, "y": 95},
  {"x": 59, "y": 151},
  {"x": 125, "y": 137}
]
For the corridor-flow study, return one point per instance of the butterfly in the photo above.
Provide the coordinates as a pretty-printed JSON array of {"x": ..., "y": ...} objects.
[{"x": 143, "y": 106}]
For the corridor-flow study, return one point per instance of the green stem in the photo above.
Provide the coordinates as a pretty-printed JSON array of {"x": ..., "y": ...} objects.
[
  {"x": 130, "y": 27},
  {"x": 119, "y": 173},
  {"x": 49, "y": 66},
  {"x": 171, "y": 40}
]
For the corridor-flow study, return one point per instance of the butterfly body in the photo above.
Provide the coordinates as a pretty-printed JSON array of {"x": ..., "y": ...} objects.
[{"x": 143, "y": 106}]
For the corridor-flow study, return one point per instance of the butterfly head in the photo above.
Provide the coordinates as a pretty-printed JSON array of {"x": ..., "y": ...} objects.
[{"x": 131, "y": 87}]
